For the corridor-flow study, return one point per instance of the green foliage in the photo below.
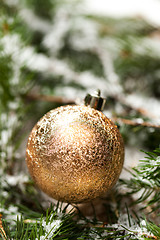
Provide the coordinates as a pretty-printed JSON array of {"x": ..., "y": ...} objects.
[
  {"x": 5, "y": 75},
  {"x": 23, "y": 69},
  {"x": 146, "y": 180},
  {"x": 41, "y": 8},
  {"x": 123, "y": 27},
  {"x": 60, "y": 223},
  {"x": 82, "y": 60},
  {"x": 56, "y": 223},
  {"x": 11, "y": 22},
  {"x": 155, "y": 230}
]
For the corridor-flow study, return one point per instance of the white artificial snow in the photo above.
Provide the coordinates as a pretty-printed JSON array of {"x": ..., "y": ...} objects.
[
  {"x": 22, "y": 55},
  {"x": 11, "y": 213},
  {"x": 84, "y": 34},
  {"x": 93, "y": 234},
  {"x": 8, "y": 123},
  {"x": 110, "y": 74},
  {"x": 147, "y": 47},
  {"x": 54, "y": 40},
  {"x": 13, "y": 106},
  {"x": 5, "y": 134},
  {"x": 4, "y": 194},
  {"x": 51, "y": 227},
  {"x": 41, "y": 238},
  {"x": 12, "y": 209},
  {"x": 26, "y": 56},
  {"x": 142, "y": 231},
  {"x": 151, "y": 105},
  {"x": 76, "y": 94},
  {"x": 11, "y": 44},
  {"x": 15, "y": 180},
  {"x": 131, "y": 227},
  {"x": 12, "y": 2}
]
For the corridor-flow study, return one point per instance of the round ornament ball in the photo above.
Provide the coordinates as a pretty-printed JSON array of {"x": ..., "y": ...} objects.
[{"x": 75, "y": 153}]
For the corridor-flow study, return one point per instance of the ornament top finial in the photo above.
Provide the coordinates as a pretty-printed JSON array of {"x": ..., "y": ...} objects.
[{"x": 95, "y": 100}]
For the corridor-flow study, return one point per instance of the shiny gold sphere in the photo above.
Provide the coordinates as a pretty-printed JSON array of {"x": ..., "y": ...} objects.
[{"x": 75, "y": 153}]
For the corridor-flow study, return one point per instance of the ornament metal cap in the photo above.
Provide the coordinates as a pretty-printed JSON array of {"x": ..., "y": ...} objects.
[{"x": 95, "y": 101}]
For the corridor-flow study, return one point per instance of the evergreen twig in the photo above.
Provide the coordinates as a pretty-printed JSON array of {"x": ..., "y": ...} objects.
[
  {"x": 64, "y": 100},
  {"x": 134, "y": 122},
  {"x": 146, "y": 179}
]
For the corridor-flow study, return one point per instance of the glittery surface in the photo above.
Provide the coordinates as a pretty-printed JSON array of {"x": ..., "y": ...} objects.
[{"x": 75, "y": 153}]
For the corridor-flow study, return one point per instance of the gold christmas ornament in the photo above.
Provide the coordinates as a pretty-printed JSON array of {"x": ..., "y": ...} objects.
[{"x": 75, "y": 153}]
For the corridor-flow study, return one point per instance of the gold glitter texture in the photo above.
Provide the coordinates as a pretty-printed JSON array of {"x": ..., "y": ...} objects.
[{"x": 75, "y": 153}]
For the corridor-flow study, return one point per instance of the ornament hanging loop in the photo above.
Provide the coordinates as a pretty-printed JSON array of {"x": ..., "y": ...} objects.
[{"x": 95, "y": 100}]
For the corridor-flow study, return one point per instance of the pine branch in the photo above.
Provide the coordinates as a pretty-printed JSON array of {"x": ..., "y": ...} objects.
[
  {"x": 146, "y": 178},
  {"x": 58, "y": 224},
  {"x": 64, "y": 100},
  {"x": 136, "y": 122},
  {"x": 54, "y": 99}
]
